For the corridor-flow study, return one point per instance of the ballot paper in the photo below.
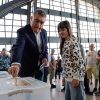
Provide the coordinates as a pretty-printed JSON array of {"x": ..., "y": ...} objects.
[
  {"x": 27, "y": 88},
  {"x": 42, "y": 66}
]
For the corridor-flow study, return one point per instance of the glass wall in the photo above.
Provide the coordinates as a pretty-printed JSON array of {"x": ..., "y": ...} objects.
[
  {"x": 9, "y": 25},
  {"x": 58, "y": 10},
  {"x": 4, "y": 1},
  {"x": 90, "y": 24},
  {"x": 53, "y": 19}
]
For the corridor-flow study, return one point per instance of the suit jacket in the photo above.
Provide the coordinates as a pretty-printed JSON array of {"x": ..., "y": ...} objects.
[{"x": 26, "y": 52}]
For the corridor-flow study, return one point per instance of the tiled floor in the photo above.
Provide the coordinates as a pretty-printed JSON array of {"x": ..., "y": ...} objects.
[{"x": 57, "y": 95}]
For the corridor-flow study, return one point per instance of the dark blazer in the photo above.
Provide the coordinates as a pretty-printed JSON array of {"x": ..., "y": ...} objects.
[{"x": 26, "y": 52}]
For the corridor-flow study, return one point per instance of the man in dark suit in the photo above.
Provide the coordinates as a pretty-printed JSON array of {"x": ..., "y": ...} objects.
[{"x": 30, "y": 50}]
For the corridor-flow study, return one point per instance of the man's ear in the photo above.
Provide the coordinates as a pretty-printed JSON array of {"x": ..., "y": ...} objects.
[{"x": 31, "y": 18}]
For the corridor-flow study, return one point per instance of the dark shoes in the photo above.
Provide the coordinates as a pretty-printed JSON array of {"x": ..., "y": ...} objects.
[
  {"x": 89, "y": 93},
  {"x": 53, "y": 86},
  {"x": 97, "y": 93},
  {"x": 63, "y": 89},
  {"x": 95, "y": 90}
]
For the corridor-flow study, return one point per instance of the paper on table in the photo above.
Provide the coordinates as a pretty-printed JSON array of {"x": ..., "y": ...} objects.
[
  {"x": 15, "y": 81},
  {"x": 42, "y": 66},
  {"x": 20, "y": 91}
]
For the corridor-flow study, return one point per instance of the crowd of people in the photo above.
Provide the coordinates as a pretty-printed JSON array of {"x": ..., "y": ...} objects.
[{"x": 30, "y": 58}]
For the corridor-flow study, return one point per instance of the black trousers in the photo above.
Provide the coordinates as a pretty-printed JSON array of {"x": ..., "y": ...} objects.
[
  {"x": 45, "y": 74},
  {"x": 38, "y": 74},
  {"x": 99, "y": 77},
  {"x": 86, "y": 83}
]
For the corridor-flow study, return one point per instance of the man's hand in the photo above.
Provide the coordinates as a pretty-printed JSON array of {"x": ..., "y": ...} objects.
[
  {"x": 14, "y": 70},
  {"x": 98, "y": 58},
  {"x": 75, "y": 83},
  {"x": 44, "y": 60}
]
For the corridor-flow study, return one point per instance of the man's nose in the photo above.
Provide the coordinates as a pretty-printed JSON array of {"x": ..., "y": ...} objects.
[{"x": 39, "y": 24}]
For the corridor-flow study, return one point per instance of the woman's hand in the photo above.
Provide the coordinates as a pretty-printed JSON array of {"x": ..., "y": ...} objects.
[{"x": 75, "y": 83}]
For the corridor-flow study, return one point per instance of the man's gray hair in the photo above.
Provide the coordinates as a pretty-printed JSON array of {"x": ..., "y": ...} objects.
[{"x": 40, "y": 12}]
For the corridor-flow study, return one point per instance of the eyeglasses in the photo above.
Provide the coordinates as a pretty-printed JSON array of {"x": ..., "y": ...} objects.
[{"x": 38, "y": 21}]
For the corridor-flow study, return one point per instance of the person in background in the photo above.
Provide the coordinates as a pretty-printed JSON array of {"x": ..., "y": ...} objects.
[
  {"x": 63, "y": 84},
  {"x": 91, "y": 67},
  {"x": 58, "y": 68},
  {"x": 98, "y": 64},
  {"x": 72, "y": 62},
  {"x": 82, "y": 51},
  {"x": 4, "y": 60},
  {"x": 30, "y": 50},
  {"x": 86, "y": 84},
  {"x": 52, "y": 68}
]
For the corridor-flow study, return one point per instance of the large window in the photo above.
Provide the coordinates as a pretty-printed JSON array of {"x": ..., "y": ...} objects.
[
  {"x": 58, "y": 10},
  {"x": 9, "y": 25},
  {"x": 89, "y": 25},
  {"x": 53, "y": 19}
]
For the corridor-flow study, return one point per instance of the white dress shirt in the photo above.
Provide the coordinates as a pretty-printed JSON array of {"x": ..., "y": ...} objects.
[{"x": 38, "y": 40}]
